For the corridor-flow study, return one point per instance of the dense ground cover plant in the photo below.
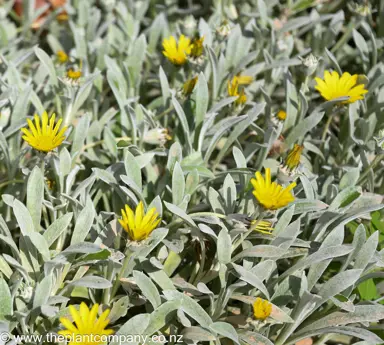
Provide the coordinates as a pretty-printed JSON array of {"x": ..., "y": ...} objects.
[{"x": 211, "y": 169}]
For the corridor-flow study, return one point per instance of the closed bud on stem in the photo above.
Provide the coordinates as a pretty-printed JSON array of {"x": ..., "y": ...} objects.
[
  {"x": 157, "y": 136},
  {"x": 363, "y": 10},
  {"x": 310, "y": 64},
  {"x": 190, "y": 25},
  {"x": 224, "y": 29},
  {"x": 380, "y": 139}
]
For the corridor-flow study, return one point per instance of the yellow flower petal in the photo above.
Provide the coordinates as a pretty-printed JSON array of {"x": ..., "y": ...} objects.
[
  {"x": 197, "y": 47},
  {"x": 243, "y": 79},
  {"x": 62, "y": 57},
  {"x": 68, "y": 324},
  {"x": 87, "y": 325},
  {"x": 233, "y": 91},
  {"x": 76, "y": 316},
  {"x": 44, "y": 137},
  {"x": 333, "y": 86},
  {"x": 271, "y": 195},
  {"x": 139, "y": 225},
  {"x": 189, "y": 85},
  {"x": 261, "y": 309},
  {"x": 177, "y": 53},
  {"x": 263, "y": 226},
  {"x": 293, "y": 158},
  {"x": 74, "y": 75},
  {"x": 281, "y": 115}
]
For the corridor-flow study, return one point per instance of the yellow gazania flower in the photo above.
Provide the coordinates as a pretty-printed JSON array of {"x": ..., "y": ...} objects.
[
  {"x": 177, "y": 52},
  {"x": 271, "y": 195},
  {"x": 189, "y": 85},
  {"x": 74, "y": 75},
  {"x": 45, "y": 137},
  {"x": 261, "y": 309},
  {"x": 87, "y": 329},
  {"x": 242, "y": 79},
  {"x": 293, "y": 158},
  {"x": 333, "y": 86},
  {"x": 263, "y": 226},
  {"x": 233, "y": 90},
  {"x": 137, "y": 224},
  {"x": 197, "y": 47},
  {"x": 281, "y": 115},
  {"x": 62, "y": 57}
]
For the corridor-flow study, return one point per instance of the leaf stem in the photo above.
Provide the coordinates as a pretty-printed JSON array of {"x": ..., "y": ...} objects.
[
  {"x": 372, "y": 166},
  {"x": 326, "y": 128},
  {"x": 100, "y": 142},
  {"x": 165, "y": 112},
  {"x": 128, "y": 254},
  {"x": 6, "y": 183}
]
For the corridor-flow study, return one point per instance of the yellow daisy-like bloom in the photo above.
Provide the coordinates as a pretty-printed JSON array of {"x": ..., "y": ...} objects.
[
  {"x": 293, "y": 158},
  {"x": 62, "y": 57},
  {"x": 271, "y": 195},
  {"x": 197, "y": 47},
  {"x": 333, "y": 86},
  {"x": 233, "y": 90},
  {"x": 45, "y": 137},
  {"x": 87, "y": 330},
  {"x": 281, "y": 115},
  {"x": 242, "y": 79},
  {"x": 177, "y": 52},
  {"x": 74, "y": 75},
  {"x": 263, "y": 226},
  {"x": 261, "y": 309},
  {"x": 189, "y": 85},
  {"x": 137, "y": 224}
]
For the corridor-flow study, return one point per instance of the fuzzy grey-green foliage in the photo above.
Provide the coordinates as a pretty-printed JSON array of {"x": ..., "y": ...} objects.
[{"x": 198, "y": 274}]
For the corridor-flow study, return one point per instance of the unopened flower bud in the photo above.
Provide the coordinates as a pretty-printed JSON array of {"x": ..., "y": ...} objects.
[
  {"x": 224, "y": 29},
  {"x": 189, "y": 85},
  {"x": 157, "y": 136},
  {"x": 5, "y": 114},
  {"x": 61, "y": 56},
  {"x": 197, "y": 47},
  {"x": 380, "y": 139},
  {"x": 293, "y": 158},
  {"x": 75, "y": 75},
  {"x": 26, "y": 292},
  {"x": 3, "y": 13},
  {"x": 261, "y": 309},
  {"x": 232, "y": 12},
  {"x": 361, "y": 10},
  {"x": 72, "y": 78},
  {"x": 281, "y": 115},
  {"x": 190, "y": 25},
  {"x": 310, "y": 64}
]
